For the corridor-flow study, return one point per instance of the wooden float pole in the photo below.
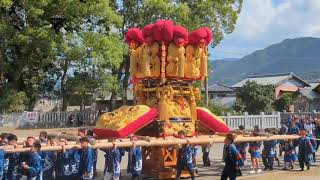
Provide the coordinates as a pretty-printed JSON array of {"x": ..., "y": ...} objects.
[{"x": 199, "y": 140}]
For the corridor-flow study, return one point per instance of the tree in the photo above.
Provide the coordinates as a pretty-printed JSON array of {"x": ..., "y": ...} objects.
[
  {"x": 221, "y": 16},
  {"x": 41, "y": 42},
  {"x": 284, "y": 102},
  {"x": 255, "y": 98},
  {"x": 12, "y": 101}
]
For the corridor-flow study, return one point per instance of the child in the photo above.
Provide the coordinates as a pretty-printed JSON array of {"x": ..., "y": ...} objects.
[
  {"x": 48, "y": 159},
  {"x": 136, "y": 160},
  {"x": 92, "y": 140},
  {"x": 5, "y": 161},
  {"x": 314, "y": 145},
  {"x": 305, "y": 150},
  {"x": 3, "y": 139},
  {"x": 242, "y": 148},
  {"x": 2, "y": 160},
  {"x": 254, "y": 150},
  {"x": 205, "y": 155},
  {"x": 14, "y": 168},
  {"x": 43, "y": 137},
  {"x": 185, "y": 155},
  {"x": 269, "y": 153},
  {"x": 33, "y": 164},
  {"x": 112, "y": 163},
  {"x": 290, "y": 155},
  {"x": 86, "y": 160},
  {"x": 232, "y": 158},
  {"x": 66, "y": 166}
]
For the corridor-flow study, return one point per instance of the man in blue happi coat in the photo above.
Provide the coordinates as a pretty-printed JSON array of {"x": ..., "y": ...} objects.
[
  {"x": 32, "y": 166},
  {"x": 86, "y": 160},
  {"x": 185, "y": 158}
]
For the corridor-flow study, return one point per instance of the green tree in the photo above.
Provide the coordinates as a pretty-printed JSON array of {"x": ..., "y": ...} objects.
[
  {"x": 12, "y": 101},
  {"x": 284, "y": 102},
  {"x": 41, "y": 42},
  {"x": 255, "y": 98}
]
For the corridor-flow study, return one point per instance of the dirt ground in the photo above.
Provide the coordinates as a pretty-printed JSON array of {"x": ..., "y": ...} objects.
[{"x": 206, "y": 173}]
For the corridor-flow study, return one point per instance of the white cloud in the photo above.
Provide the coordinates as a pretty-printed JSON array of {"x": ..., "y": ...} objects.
[{"x": 263, "y": 22}]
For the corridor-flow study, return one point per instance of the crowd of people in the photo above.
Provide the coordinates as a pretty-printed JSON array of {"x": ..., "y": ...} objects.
[{"x": 80, "y": 163}]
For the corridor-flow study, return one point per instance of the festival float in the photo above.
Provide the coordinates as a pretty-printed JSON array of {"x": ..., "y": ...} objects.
[{"x": 167, "y": 64}]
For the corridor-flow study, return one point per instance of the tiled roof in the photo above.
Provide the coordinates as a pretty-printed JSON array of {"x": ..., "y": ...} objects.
[
  {"x": 219, "y": 88},
  {"x": 271, "y": 79}
]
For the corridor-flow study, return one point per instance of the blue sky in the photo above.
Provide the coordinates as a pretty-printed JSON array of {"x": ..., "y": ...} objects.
[{"x": 265, "y": 22}]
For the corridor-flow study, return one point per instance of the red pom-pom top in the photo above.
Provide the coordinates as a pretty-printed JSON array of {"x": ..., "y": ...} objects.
[
  {"x": 148, "y": 34},
  {"x": 180, "y": 35},
  {"x": 163, "y": 30},
  {"x": 134, "y": 34},
  {"x": 203, "y": 34}
]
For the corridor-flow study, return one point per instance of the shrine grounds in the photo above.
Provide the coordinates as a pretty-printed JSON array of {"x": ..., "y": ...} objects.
[{"x": 206, "y": 173}]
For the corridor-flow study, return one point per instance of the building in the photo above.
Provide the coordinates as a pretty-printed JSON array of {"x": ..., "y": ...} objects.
[
  {"x": 282, "y": 82},
  {"x": 308, "y": 99},
  {"x": 221, "y": 94},
  {"x": 218, "y": 90}
]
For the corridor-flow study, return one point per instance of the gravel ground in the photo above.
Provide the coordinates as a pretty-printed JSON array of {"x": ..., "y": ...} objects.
[{"x": 206, "y": 173}]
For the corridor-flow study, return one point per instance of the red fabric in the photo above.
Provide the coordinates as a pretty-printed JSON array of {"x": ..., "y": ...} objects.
[
  {"x": 163, "y": 30},
  {"x": 147, "y": 33},
  {"x": 180, "y": 35},
  {"x": 134, "y": 34},
  {"x": 203, "y": 33},
  {"x": 211, "y": 121},
  {"x": 130, "y": 128}
]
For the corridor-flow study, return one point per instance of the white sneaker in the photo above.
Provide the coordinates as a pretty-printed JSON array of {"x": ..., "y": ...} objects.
[
  {"x": 252, "y": 171},
  {"x": 259, "y": 171}
]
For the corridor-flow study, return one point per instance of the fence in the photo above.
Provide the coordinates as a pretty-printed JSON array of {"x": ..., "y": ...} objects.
[
  {"x": 45, "y": 120},
  {"x": 249, "y": 121},
  {"x": 60, "y": 119}
]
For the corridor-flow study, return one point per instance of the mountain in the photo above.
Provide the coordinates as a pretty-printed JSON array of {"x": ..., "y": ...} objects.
[
  {"x": 300, "y": 56},
  {"x": 227, "y": 59}
]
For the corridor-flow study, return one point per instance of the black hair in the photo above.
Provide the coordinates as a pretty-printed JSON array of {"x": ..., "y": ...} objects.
[
  {"x": 30, "y": 137},
  {"x": 44, "y": 134},
  {"x": 241, "y": 127},
  {"x": 12, "y": 137},
  {"x": 37, "y": 145},
  {"x": 4, "y": 135},
  {"x": 84, "y": 139},
  {"x": 90, "y": 132}
]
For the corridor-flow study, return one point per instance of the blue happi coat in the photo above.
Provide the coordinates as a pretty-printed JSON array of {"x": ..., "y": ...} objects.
[
  {"x": 86, "y": 163},
  {"x": 293, "y": 130},
  {"x": 232, "y": 156},
  {"x": 136, "y": 160},
  {"x": 66, "y": 166},
  {"x": 2, "y": 161},
  {"x": 305, "y": 147},
  {"x": 112, "y": 161},
  {"x": 185, "y": 155},
  {"x": 269, "y": 149},
  {"x": 14, "y": 167},
  {"x": 34, "y": 163},
  {"x": 48, "y": 159}
]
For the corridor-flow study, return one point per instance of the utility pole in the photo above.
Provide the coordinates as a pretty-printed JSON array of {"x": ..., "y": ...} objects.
[{"x": 206, "y": 91}]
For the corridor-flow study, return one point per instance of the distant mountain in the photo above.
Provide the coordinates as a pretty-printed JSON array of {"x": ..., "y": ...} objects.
[
  {"x": 300, "y": 56},
  {"x": 227, "y": 59}
]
